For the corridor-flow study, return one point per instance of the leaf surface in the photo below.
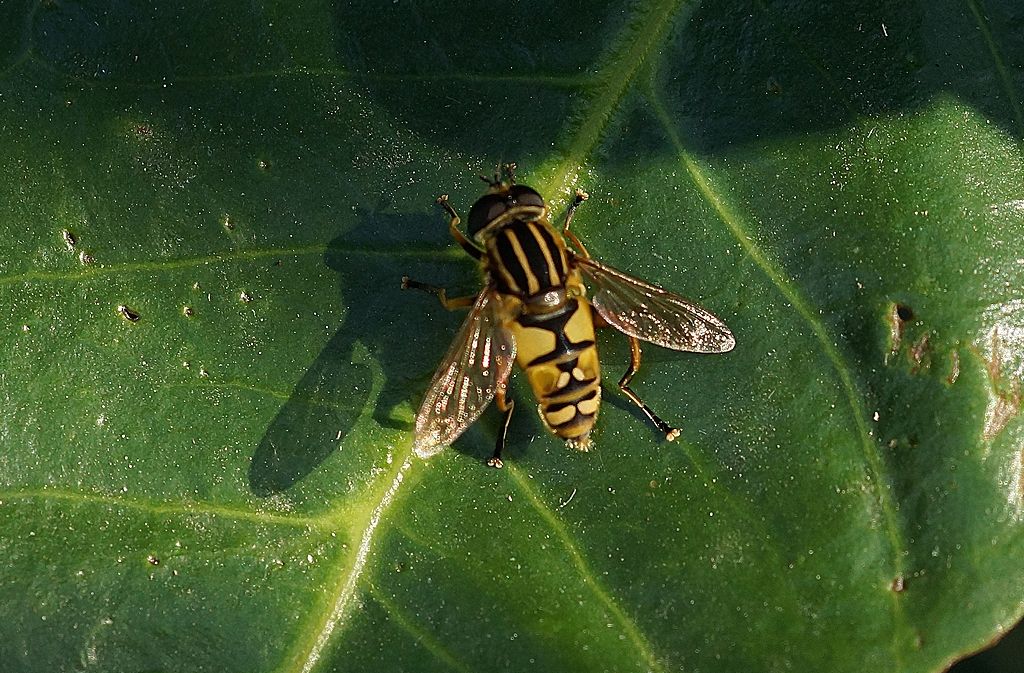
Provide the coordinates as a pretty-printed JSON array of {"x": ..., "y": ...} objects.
[{"x": 210, "y": 372}]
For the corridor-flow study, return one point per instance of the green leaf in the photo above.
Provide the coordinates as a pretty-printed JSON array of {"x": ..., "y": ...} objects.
[{"x": 210, "y": 372}]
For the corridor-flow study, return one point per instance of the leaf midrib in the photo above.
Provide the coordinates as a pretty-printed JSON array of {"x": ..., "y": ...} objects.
[{"x": 585, "y": 142}]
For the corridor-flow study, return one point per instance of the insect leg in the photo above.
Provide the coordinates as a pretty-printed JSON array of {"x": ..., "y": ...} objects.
[
  {"x": 453, "y": 227},
  {"x": 440, "y": 292},
  {"x": 506, "y": 406},
  {"x": 634, "y": 365},
  {"x": 581, "y": 196}
]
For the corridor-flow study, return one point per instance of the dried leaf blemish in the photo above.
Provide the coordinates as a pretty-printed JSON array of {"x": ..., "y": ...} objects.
[
  {"x": 1005, "y": 400},
  {"x": 954, "y": 367},
  {"x": 897, "y": 316},
  {"x": 920, "y": 354}
]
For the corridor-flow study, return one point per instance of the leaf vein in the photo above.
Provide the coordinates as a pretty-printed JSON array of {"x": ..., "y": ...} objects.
[
  {"x": 165, "y": 508},
  {"x": 582, "y": 567},
  {"x": 617, "y": 79},
  {"x": 310, "y": 649},
  {"x": 997, "y": 58},
  {"x": 869, "y": 449},
  {"x": 575, "y": 82},
  {"x": 102, "y": 271},
  {"x": 419, "y": 634}
]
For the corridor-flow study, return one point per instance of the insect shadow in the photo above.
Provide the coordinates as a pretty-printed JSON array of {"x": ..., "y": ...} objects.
[{"x": 383, "y": 353}]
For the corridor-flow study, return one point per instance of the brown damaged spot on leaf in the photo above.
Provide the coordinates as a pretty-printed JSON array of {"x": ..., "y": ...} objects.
[
  {"x": 954, "y": 367},
  {"x": 920, "y": 354},
  {"x": 899, "y": 584},
  {"x": 897, "y": 317},
  {"x": 1006, "y": 395},
  {"x": 1000, "y": 414}
]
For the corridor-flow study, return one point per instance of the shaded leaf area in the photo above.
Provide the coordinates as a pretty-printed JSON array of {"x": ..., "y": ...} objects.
[{"x": 210, "y": 371}]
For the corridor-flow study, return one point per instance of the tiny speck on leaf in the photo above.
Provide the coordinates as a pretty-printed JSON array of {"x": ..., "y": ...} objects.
[{"x": 128, "y": 314}]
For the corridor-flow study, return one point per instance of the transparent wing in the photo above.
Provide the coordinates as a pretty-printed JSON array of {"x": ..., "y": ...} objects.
[
  {"x": 652, "y": 314},
  {"x": 478, "y": 361}
]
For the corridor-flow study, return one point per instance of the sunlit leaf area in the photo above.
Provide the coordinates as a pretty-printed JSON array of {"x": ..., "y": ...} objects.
[{"x": 209, "y": 372}]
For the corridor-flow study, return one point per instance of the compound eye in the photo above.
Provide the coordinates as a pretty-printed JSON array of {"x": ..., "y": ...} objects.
[
  {"x": 524, "y": 196},
  {"x": 485, "y": 209}
]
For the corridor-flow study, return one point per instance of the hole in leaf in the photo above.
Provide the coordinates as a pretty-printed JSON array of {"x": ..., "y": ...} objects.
[{"x": 128, "y": 314}]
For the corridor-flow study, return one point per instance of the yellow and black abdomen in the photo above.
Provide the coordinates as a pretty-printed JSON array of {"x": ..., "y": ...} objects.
[{"x": 557, "y": 352}]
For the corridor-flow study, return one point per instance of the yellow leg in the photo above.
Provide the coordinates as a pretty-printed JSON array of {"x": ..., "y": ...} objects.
[
  {"x": 634, "y": 366},
  {"x": 453, "y": 227}
]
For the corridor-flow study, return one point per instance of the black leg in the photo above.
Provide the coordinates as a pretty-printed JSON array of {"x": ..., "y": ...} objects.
[
  {"x": 510, "y": 173},
  {"x": 440, "y": 293},
  {"x": 634, "y": 365},
  {"x": 453, "y": 227},
  {"x": 506, "y": 406},
  {"x": 581, "y": 196}
]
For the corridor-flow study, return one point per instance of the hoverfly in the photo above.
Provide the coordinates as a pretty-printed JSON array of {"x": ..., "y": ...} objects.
[{"x": 534, "y": 310}]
